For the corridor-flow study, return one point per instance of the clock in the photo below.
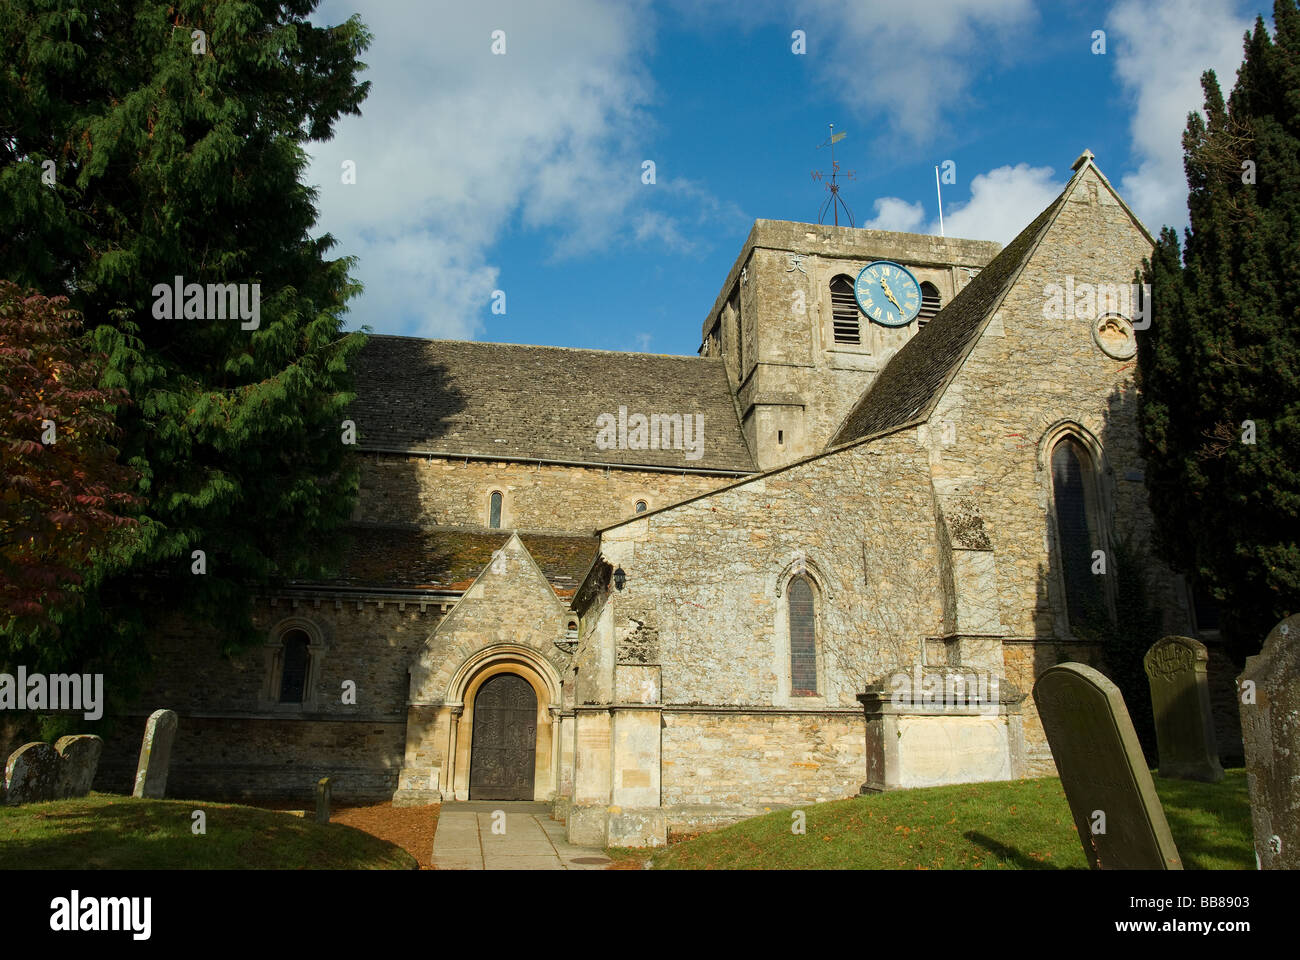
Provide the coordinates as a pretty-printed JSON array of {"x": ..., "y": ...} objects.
[{"x": 888, "y": 293}]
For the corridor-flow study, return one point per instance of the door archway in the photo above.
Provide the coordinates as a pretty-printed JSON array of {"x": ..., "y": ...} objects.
[{"x": 503, "y": 752}]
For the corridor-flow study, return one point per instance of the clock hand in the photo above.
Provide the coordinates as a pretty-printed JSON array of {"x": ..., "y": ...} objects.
[{"x": 884, "y": 285}]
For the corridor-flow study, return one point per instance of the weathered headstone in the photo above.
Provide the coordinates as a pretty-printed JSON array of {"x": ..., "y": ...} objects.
[
  {"x": 323, "y": 800},
  {"x": 1269, "y": 688},
  {"x": 1112, "y": 797},
  {"x": 80, "y": 760},
  {"x": 32, "y": 774},
  {"x": 1180, "y": 700},
  {"x": 155, "y": 755}
]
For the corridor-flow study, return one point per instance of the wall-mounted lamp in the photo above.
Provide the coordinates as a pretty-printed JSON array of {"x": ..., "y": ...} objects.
[{"x": 620, "y": 578}]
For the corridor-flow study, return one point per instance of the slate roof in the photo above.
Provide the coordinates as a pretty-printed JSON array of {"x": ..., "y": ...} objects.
[
  {"x": 441, "y": 559},
  {"x": 916, "y": 376},
  {"x": 466, "y": 398}
]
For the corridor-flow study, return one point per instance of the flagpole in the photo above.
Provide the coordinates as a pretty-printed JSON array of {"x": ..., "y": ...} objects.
[{"x": 939, "y": 193}]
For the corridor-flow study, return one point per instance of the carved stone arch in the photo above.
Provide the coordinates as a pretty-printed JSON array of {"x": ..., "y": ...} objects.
[
  {"x": 461, "y": 692},
  {"x": 1058, "y": 430},
  {"x": 812, "y": 570},
  {"x": 318, "y": 643},
  {"x": 498, "y": 654}
]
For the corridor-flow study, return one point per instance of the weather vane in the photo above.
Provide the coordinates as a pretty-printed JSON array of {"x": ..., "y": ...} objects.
[{"x": 834, "y": 201}]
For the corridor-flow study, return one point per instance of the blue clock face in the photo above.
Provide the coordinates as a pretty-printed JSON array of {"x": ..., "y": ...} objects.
[{"x": 888, "y": 293}]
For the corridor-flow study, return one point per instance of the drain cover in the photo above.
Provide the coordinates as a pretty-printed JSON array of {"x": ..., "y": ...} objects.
[{"x": 592, "y": 860}]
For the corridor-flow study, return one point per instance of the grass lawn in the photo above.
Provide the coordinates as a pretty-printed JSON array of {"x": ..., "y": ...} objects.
[
  {"x": 1016, "y": 825},
  {"x": 109, "y": 831}
]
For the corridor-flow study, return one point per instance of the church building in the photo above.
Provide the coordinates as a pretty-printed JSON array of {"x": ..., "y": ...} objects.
[{"x": 665, "y": 592}]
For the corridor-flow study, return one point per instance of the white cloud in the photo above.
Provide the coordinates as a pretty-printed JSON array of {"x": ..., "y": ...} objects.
[
  {"x": 913, "y": 61},
  {"x": 1002, "y": 203},
  {"x": 895, "y": 214},
  {"x": 1160, "y": 49},
  {"x": 457, "y": 146}
]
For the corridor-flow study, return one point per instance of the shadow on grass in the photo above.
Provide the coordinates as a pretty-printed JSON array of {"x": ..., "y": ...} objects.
[
  {"x": 1007, "y": 854},
  {"x": 112, "y": 832}
]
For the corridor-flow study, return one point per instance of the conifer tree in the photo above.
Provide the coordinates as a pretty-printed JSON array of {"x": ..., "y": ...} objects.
[
  {"x": 1220, "y": 364},
  {"x": 143, "y": 141}
]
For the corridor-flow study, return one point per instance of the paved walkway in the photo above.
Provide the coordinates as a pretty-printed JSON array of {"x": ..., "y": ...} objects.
[{"x": 531, "y": 840}]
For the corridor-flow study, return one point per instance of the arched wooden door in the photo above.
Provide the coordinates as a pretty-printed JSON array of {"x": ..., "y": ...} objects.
[{"x": 503, "y": 753}]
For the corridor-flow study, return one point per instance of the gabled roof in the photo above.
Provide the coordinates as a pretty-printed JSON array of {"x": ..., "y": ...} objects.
[
  {"x": 448, "y": 560},
  {"x": 511, "y": 402},
  {"x": 915, "y": 377}
]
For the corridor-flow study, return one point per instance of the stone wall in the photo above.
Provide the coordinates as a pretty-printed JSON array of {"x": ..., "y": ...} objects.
[
  {"x": 708, "y": 578},
  {"x": 1027, "y": 376},
  {"x": 746, "y": 760},
  {"x": 437, "y": 492},
  {"x": 235, "y": 740}
]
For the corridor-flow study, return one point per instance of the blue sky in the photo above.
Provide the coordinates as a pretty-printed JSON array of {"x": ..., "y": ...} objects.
[{"x": 522, "y": 171}]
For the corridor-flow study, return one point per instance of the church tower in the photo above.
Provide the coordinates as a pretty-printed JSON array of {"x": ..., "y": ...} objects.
[{"x": 797, "y": 347}]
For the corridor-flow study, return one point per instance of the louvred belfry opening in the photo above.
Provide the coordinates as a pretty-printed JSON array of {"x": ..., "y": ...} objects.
[{"x": 844, "y": 311}]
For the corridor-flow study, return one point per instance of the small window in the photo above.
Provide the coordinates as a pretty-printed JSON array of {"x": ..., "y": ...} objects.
[
  {"x": 494, "y": 510},
  {"x": 845, "y": 318},
  {"x": 930, "y": 303},
  {"x": 803, "y": 638},
  {"x": 780, "y": 436},
  {"x": 641, "y": 506},
  {"x": 293, "y": 669},
  {"x": 571, "y": 629}
]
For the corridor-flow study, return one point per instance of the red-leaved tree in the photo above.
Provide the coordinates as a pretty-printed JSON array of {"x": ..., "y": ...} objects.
[{"x": 63, "y": 495}]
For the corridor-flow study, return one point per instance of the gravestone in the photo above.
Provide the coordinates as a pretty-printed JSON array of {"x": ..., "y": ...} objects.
[
  {"x": 323, "y": 800},
  {"x": 32, "y": 774},
  {"x": 79, "y": 761},
  {"x": 1269, "y": 689},
  {"x": 1180, "y": 700},
  {"x": 155, "y": 755},
  {"x": 1112, "y": 797}
]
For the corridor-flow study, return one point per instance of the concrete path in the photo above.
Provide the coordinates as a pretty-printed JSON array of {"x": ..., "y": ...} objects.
[{"x": 531, "y": 840}]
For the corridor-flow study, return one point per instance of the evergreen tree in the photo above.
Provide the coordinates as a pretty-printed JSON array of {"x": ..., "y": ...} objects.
[
  {"x": 145, "y": 140},
  {"x": 1220, "y": 364}
]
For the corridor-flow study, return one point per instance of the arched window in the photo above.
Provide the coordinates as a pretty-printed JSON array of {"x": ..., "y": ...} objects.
[
  {"x": 1078, "y": 532},
  {"x": 803, "y": 637},
  {"x": 494, "y": 510},
  {"x": 930, "y": 303},
  {"x": 845, "y": 318},
  {"x": 641, "y": 506},
  {"x": 293, "y": 667}
]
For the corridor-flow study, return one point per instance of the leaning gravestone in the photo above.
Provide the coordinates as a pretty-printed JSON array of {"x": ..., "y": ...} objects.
[
  {"x": 323, "y": 800},
  {"x": 80, "y": 760},
  {"x": 1269, "y": 689},
  {"x": 155, "y": 755},
  {"x": 1112, "y": 797},
  {"x": 1180, "y": 700},
  {"x": 32, "y": 774}
]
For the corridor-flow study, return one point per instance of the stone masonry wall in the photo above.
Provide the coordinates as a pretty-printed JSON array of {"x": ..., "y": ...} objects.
[
  {"x": 748, "y": 760},
  {"x": 397, "y": 489},
  {"x": 233, "y": 741},
  {"x": 1027, "y": 374},
  {"x": 705, "y": 577}
]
